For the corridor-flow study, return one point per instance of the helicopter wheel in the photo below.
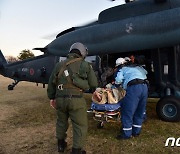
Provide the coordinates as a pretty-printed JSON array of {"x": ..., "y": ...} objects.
[
  {"x": 10, "y": 87},
  {"x": 168, "y": 109}
]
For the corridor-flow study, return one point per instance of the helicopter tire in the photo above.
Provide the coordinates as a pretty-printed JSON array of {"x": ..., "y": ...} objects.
[
  {"x": 168, "y": 109},
  {"x": 10, "y": 87},
  {"x": 100, "y": 125}
]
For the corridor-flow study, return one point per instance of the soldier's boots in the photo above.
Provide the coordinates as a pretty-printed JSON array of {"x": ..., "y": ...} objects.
[
  {"x": 61, "y": 145},
  {"x": 78, "y": 151}
]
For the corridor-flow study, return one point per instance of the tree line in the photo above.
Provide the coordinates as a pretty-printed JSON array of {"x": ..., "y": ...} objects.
[{"x": 24, "y": 54}]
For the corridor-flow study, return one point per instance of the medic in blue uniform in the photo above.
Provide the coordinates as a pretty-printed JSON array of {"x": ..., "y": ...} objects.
[{"x": 133, "y": 79}]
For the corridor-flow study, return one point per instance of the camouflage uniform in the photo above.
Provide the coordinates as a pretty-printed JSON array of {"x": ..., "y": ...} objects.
[{"x": 69, "y": 98}]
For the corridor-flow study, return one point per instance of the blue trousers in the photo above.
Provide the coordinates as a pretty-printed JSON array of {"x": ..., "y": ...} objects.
[{"x": 133, "y": 108}]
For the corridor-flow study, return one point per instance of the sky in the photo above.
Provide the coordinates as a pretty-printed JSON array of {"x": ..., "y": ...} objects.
[{"x": 27, "y": 24}]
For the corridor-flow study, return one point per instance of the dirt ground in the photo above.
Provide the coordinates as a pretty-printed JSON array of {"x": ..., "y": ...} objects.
[{"x": 27, "y": 126}]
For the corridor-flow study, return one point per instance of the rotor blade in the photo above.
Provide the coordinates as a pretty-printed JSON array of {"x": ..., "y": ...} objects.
[{"x": 41, "y": 49}]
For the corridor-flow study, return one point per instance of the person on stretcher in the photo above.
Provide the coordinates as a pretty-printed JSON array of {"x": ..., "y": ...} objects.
[{"x": 109, "y": 95}]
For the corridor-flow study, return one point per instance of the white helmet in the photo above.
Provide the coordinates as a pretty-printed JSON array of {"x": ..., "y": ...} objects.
[
  {"x": 127, "y": 59},
  {"x": 81, "y": 47},
  {"x": 120, "y": 61}
]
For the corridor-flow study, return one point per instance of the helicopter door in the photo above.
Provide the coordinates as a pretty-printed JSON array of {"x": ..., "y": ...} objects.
[
  {"x": 168, "y": 107},
  {"x": 166, "y": 68}
]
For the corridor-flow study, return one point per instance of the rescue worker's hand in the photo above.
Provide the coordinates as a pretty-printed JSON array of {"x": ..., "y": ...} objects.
[{"x": 53, "y": 103}]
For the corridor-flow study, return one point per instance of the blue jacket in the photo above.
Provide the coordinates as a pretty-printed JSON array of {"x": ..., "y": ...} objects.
[{"x": 128, "y": 73}]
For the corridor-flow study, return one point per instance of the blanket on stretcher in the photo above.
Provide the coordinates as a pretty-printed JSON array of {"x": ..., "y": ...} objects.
[{"x": 105, "y": 107}]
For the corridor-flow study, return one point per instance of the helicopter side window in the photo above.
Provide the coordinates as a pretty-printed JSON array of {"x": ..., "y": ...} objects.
[
  {"x": 152, "y": 67},
  {"x": 90, "y": 59},
  {"x": 166, "y": 69},
  {"x": 62, "y": 59}
]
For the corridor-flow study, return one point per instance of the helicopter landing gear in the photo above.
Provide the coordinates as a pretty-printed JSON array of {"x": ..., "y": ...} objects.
[
  {"x": 168, "y": 109},
  {"x": 11, "y": 86}
]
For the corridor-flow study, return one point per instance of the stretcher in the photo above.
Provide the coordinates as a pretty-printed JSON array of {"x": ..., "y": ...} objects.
[{"x": 104, "y": 113}]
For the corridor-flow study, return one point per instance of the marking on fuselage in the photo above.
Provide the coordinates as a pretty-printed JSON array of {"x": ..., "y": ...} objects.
[
  {"x": 31, "y": 71},
  {"x": 129, "y": 27}
]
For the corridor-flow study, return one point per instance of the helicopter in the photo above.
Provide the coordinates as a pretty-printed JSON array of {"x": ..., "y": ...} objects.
[
  {"x": 36, "y": 69},
  {"x": 148, "y": 28}
]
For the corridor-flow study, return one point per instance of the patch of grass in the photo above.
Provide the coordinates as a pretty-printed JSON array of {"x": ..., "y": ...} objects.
[
  {"x": 152, "y": 139},
  {"x": 29, "y": 111},
  {"x": 38, "y": 114},
  {"x": 33, "y": 116}
]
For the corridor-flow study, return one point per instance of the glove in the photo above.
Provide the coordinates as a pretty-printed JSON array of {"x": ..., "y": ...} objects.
[{"x": 53, "y": 103}]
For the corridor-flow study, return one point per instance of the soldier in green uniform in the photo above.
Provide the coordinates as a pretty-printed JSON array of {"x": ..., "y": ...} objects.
[{"x": 67, "y": 83}]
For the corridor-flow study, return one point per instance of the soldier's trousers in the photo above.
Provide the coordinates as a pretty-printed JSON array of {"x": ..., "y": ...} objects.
[{"x": 75, "y": 109}]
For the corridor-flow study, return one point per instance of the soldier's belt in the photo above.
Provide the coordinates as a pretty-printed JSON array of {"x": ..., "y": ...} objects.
[{"x": 62, "y": 87}]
